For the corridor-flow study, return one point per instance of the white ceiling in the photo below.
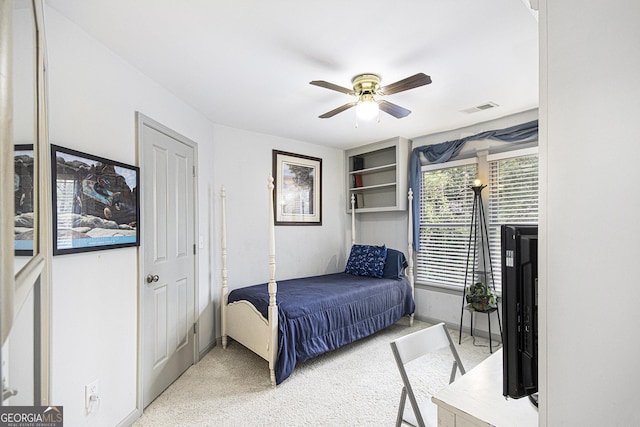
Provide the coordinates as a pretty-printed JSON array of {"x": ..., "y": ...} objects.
[{"x": 247, "y": 64}]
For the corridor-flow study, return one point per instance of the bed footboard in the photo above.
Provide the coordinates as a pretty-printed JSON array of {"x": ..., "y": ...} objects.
[{"x": 246, "y": 325}]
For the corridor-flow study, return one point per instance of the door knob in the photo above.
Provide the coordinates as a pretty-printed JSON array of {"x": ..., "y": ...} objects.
[
  {"x": 154, "y": 278},
  {"x": 8, "y": 392}
]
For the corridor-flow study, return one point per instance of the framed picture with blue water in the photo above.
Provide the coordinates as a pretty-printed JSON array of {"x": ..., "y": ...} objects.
[
  {"x": 96, "y": 202},
  {"x": 23, "y": 199}
]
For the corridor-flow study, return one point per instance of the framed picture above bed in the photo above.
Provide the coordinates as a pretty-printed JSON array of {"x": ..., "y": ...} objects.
[
  {"x": 96, "y": 204},
  {"x": 298, "y": 189}
]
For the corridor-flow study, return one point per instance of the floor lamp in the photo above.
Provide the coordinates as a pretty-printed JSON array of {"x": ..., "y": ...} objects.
[{"x": 478, "y": 226}]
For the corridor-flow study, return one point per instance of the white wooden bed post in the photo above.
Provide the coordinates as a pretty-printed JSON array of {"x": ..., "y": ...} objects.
[
  {"x": 225, "y": 289},
  {"x": 410, "y": 250},
  {"x": 273, "y": 289},
  {"x": 353, "y": 219}
]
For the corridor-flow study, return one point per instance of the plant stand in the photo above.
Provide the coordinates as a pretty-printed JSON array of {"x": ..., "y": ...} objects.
[
  {"x": 489, "y": 311},
  {"x": 478, "y": 231}
]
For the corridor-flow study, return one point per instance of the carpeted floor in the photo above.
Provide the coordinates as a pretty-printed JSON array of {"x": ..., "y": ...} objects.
[{"x": 355, "y": 385}]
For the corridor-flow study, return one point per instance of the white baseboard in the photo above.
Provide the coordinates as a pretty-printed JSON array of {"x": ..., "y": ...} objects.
[
  {"x": 208, "y": 348},
  {"x": 465, "y": 329}
]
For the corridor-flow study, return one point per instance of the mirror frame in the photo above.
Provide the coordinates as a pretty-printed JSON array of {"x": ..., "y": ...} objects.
[{"x": 35, "y": 274}]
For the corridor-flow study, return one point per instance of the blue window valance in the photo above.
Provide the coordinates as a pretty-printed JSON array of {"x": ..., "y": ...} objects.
[{"x": 444, "y": 151}]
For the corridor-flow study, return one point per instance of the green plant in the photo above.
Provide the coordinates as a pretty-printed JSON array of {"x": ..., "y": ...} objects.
[{"x": 480, "y": 297}]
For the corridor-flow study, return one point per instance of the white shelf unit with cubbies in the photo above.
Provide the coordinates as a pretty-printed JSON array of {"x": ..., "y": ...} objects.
[{"x": 377, "y": 176}]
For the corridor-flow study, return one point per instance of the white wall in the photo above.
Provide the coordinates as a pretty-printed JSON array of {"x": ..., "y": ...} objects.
[
  {"x": 377, "y": 228},
  {"x": 93, "y": 96},
  {"x": 589, "y": 108},
  {"x": 23, "y": 76}
]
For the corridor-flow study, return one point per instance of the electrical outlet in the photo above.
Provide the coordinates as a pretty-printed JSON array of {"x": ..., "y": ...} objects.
[{"x": 92, "y": 396}]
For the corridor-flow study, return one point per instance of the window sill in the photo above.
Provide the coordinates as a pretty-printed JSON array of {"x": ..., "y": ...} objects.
[{"x": 447, "y": 289}]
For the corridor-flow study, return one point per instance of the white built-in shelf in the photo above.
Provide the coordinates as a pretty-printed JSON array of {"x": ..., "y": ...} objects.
[
  {"x": 371, "y": 187},
  {"x": 382, "y": 168},
  {"x": 377, "y": 175}
]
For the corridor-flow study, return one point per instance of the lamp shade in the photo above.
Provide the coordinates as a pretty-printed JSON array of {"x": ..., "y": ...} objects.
[{"x": 367, "y": 109}]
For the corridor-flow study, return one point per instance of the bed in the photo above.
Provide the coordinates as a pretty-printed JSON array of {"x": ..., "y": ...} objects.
[{"x": 294, "y": 320}]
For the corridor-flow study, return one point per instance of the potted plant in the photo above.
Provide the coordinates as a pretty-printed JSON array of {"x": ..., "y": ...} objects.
[{"x": 480, "y": 297}]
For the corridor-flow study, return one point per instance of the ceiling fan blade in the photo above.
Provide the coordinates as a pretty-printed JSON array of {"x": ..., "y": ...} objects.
[
  {"x": 414, "y": 81},
  {"x": 337, "y": 110},
  {"x": 332, "y": 86},
  {"x": 395, "y": 110}
]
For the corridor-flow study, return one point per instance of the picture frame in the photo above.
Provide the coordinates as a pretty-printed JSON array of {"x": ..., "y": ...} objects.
[
  {"x": 23, "y": 195},
  {"x": 96, "y": 202},
  {"x": 298, "y": 189}
]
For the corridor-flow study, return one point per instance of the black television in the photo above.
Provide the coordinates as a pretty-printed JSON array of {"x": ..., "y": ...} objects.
[{"x": 519, "y": 256}]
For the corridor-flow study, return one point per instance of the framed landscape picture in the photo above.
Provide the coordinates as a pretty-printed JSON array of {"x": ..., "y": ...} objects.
[
  {"x": 23, "y": 199},
  {"x": 298, "y": 189},
  {"x": 96, "y": 203}
]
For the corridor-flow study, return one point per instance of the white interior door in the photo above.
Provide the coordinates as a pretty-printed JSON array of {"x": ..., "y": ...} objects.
[{"x": 168, "y": 287}]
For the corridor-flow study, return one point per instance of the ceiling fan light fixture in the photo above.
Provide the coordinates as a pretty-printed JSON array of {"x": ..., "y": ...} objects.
[
  {"x": 367, "y": 108},
  {"x": 365, "y": 87}
]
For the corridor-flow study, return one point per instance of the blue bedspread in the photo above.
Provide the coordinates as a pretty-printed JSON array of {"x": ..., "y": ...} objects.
[{"x": 322, "y": 313}]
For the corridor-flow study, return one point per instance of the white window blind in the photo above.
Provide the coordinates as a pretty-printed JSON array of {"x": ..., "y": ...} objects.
[
  {"x": 446, "y": 208},
  {"x": 513, "y": 198},
  {"x": 65, "y": 191}
]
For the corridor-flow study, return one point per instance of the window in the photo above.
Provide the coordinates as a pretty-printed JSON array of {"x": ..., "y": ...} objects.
[
  {"x": 513, "y": 197},
  {"x": 446, "y": 208},
  {"x": 66, "y": 191},
  {"x": 447, "y": 202}
]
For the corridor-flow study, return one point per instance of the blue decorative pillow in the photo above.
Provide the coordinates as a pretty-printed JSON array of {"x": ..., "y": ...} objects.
[
  {"x": 366, "y": 260},
  {"x": 394, "y": 265}
]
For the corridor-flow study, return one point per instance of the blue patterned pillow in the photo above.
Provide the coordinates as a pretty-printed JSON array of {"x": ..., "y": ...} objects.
[{"x": 366, "y": 260}]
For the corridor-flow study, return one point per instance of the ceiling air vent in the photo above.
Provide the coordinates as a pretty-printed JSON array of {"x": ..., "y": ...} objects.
[{"x": 482, "y": 107}]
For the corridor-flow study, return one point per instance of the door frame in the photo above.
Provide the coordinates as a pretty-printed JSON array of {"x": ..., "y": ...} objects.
[{"x": 141, "y": 121}]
